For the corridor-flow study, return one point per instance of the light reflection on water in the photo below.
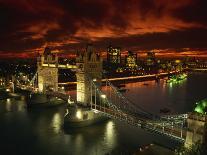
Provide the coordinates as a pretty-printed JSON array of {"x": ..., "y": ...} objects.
[
  {"x": 41, "y": 131},
  {"x": 56, "y": 122},
  {"x": 155, "y": 96},
  {"x": 8, "y": 104},
  {"x": 110, "y": 134},
  {"x": 11, "y": 105}
]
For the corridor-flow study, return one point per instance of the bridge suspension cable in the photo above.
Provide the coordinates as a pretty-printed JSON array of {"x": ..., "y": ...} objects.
[
  {"x": 33, "y": 79},
  {"x": 113, "y": 104}
]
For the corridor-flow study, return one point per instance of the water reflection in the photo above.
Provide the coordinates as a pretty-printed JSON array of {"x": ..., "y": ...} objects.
[
  {"x": 12, "y": 105},
  {"x": 110, "y": 134},
  {"x": 43, "y": 130},
  {"x": 8, "y": 105},
  {"x": 56, "y": 122},
  {"x": 154, "y": 96},
  {"x": 96, "y": 139},
  {"x": 78, "y": 143}
]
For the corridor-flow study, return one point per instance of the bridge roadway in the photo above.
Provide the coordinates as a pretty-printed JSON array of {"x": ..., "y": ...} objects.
[
  {"x": 169, "y": 130},
  {"x": 67, "y": 66},
  {"x": 126, "y": 78},
  {"x": 198, "y": 69}
]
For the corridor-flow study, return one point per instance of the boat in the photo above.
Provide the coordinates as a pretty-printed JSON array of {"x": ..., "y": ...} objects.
[
  {"x": 80, "y": 116},
  {"x": 122, "y": 90},
  {"x": 40, "y": 100},
  {"x": 5, "y": 93},
  {"x": 177, "y": 78},
  {"x": 22, "y": 91}
]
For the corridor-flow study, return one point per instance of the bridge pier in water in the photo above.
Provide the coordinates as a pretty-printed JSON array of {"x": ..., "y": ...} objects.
[{"x": 197, "y": 129}]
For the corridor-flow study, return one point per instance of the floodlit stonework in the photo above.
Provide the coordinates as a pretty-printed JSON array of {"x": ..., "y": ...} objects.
[
  {"x": 89, "y": 66},
  {"x": 47, "y": 76},
  {"x": 197, "y": 130}
]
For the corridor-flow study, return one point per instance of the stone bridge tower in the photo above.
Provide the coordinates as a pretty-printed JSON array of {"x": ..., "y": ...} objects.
[
  {"x": 89, "y": 64},
  {"x": 47, "y": 71},
  {"x": 197, "y": 129}
]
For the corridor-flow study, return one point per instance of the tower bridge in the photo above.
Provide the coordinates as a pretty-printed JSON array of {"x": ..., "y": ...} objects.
[{"x": 111, "y": 102}]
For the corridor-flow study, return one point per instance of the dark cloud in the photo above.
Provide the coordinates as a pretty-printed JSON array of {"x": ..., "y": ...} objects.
[
  {"x": 28, "y": 25},
  {"x": 194, "y": 12}
]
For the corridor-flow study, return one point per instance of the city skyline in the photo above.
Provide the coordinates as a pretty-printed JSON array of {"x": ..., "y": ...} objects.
[{"x": 136, "y": 25}]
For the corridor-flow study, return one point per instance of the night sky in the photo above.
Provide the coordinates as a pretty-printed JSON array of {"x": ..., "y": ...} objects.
[{"x": 165, "y": 26}]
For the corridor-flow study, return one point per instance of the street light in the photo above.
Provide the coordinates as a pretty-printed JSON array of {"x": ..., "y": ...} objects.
[{"x": 103, "y": 96}]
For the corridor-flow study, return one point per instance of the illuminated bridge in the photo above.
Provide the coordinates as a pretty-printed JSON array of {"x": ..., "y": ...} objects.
[{"x": 110, "y": 102}]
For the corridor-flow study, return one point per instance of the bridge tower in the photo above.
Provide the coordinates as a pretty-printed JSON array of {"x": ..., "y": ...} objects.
[
  {"x": 89, "y": 67},
  {"x": 47, "y": 71},
  {"x": 197, "y": 129}
]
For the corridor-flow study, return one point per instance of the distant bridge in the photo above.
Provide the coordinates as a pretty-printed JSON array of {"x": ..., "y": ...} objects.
[{"x": 198, "y": 69}]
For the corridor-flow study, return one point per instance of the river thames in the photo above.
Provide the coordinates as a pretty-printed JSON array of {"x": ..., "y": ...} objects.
[{"x": 41, "y": 131}]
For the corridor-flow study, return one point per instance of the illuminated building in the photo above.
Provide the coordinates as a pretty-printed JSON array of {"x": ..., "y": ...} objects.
[
  {"x": 47, "y": 76},
  {"x": 2, "y": 81},
  {"x": 113, "y": 55},
  {"x": 150, "y": 59},
  {"x": 178, "y": 65},
  {"x": 151, "y": 65},
  {"x": 131, "y": 60},
  {"x": 89, "y": 64}
]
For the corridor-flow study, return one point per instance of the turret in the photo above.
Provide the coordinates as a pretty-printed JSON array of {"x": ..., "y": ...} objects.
[
  {"x": 89, "y": 67},
  {"x": 47, "y": 69}
]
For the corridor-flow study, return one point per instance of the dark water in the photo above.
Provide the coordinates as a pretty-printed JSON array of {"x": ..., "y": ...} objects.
[{"x": 40, "y": 132}]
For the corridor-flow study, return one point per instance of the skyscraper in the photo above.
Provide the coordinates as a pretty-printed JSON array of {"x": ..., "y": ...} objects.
[
  {"x": 150, "y": 58},
  {"x": 113, "y": 55},
  {"x": 131, "y": 60}
]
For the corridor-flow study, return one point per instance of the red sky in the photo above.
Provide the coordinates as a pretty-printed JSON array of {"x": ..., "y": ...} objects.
[{"x": 169, "y": 27}]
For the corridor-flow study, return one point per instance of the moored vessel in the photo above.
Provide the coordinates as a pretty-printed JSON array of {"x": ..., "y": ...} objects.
[
  {"x": 123, "y": 90},
  {"x": 80, "y": 116},
  {"x": 6, "y": 93},
  {"x": 177, "y": 78},
  {"x": 40, "y": 100}
]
